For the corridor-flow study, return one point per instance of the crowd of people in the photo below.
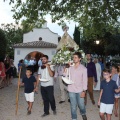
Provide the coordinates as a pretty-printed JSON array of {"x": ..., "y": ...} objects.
[
  {"x": 31, "y": 63},
  {"x": 7, "y": 72},
  {"x": 86, "y": 78}
]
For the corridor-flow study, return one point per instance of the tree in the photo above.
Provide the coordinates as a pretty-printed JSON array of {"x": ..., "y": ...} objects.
[
  {"x": 3, "y": 44},
  {"x": 109, "y": 45},
  {"x": 26, "y": 27},
  {"x": 77, "y": 35},
  {"x": 14, "y": 34},
  {"x": 93, "y": 15},
  {"x": 87, "y": 46},
  {"x": 113, "y": 46}
]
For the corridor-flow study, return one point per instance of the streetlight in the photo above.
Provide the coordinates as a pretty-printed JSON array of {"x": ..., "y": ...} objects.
[{"x": 97, "y": 42}]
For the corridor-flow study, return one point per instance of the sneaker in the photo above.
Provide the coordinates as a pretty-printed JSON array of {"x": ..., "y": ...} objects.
[
  {"x": 54, "y": 112},
  {"x": 84, "y": 117},
  {"x": 61, "y": 102},
  {"x": 44, "y": 115},
  {"x": 29, "y": 112}
]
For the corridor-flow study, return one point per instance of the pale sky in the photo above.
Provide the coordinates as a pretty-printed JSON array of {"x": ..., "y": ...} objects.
[{"x": 6, "y": 17}]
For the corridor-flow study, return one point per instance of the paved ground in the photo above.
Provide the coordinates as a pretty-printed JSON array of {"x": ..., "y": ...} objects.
[{"x": 7, "y": 106}]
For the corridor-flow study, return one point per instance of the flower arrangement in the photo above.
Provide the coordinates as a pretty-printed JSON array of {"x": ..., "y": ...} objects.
[{"x": 64, "y": 56}]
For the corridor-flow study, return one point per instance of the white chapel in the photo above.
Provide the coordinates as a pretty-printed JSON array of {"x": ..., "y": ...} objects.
[{"x": 37, "y": 42}]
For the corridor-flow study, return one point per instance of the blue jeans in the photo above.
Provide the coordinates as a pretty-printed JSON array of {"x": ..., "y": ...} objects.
[{"x": 76, "y": 100}]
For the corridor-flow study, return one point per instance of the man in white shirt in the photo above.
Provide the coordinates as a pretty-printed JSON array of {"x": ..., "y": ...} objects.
[
  {"x": 47, "y": 89},
  {"x": 31, "y": 64}
]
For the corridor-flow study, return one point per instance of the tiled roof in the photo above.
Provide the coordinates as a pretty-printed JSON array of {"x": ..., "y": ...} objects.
[{"x": 35, "y": 44}]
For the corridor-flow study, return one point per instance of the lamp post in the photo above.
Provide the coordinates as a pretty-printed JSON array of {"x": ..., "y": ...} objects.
[{"x": 97, "y": 42}]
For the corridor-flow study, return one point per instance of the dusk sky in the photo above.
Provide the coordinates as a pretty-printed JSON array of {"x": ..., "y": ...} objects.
[{"x": 6, "y": 17}]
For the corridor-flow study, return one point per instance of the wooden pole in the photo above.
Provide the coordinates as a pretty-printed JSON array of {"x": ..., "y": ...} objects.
[{"x": 17, "y": 94}]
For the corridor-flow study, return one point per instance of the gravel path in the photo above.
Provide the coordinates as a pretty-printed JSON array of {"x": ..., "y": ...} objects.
[{"x": 7, "y": 106}]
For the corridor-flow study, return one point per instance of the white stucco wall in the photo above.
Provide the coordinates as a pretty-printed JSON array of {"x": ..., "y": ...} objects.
[
  {"x": 21, "y": 53},
  {"x": 45, "y": 33}
]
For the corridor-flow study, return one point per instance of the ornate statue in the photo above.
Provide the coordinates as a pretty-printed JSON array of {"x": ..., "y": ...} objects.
[{"x": 66, "y": 40}]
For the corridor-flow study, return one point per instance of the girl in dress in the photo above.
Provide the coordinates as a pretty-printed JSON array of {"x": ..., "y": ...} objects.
[
  {"x": 2, "y": 73},
  {"x": 115, "y": 77}
]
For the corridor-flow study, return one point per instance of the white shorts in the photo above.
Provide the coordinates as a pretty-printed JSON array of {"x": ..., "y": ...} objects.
[
  {"x": 29, "y": 97},
  {"x": 106, "y": 108}
]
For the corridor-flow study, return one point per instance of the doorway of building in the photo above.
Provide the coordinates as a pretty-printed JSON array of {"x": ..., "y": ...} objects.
[{"x": 36, "y": 55}]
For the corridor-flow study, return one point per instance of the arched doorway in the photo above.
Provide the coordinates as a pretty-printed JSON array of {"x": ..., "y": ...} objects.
[{"x": 34, "y": 55}]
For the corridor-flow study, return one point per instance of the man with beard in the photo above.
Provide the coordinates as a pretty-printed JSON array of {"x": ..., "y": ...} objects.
[
  {"x": 92, "y": 78},
  {"x": 47, "y": 88}
]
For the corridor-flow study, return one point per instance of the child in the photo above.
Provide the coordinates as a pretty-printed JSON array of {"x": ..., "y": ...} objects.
[
  {"x": 29, "y": 83},
  {"x": 106, "y": 99}
]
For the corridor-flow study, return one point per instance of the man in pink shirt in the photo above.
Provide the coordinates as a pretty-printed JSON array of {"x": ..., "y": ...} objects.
[{"x": 77, "y": 90}]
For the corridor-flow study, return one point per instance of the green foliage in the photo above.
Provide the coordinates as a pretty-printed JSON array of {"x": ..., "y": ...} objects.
[
  {"x": 27, "y": 27},
  {"x": 95, "y": 18},
  {"x": 93, "y": 15},
  {"x": 14, "y": 35},
  {"x": 77, "y": 36},
  {"x": 113, "y": 46},
  {"x": 3, "y": 44},
  {"x": 109, "y": 45},
  {"x": 87, "y": 46}
]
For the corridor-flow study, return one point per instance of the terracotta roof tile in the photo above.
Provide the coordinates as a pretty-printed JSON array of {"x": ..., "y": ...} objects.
[{"x": 35, "y": 44}]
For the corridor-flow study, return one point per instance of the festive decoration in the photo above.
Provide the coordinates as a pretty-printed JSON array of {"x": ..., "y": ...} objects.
[
  {"x": 64, "y": 56},
  {"x": 66, "y": 48}
]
